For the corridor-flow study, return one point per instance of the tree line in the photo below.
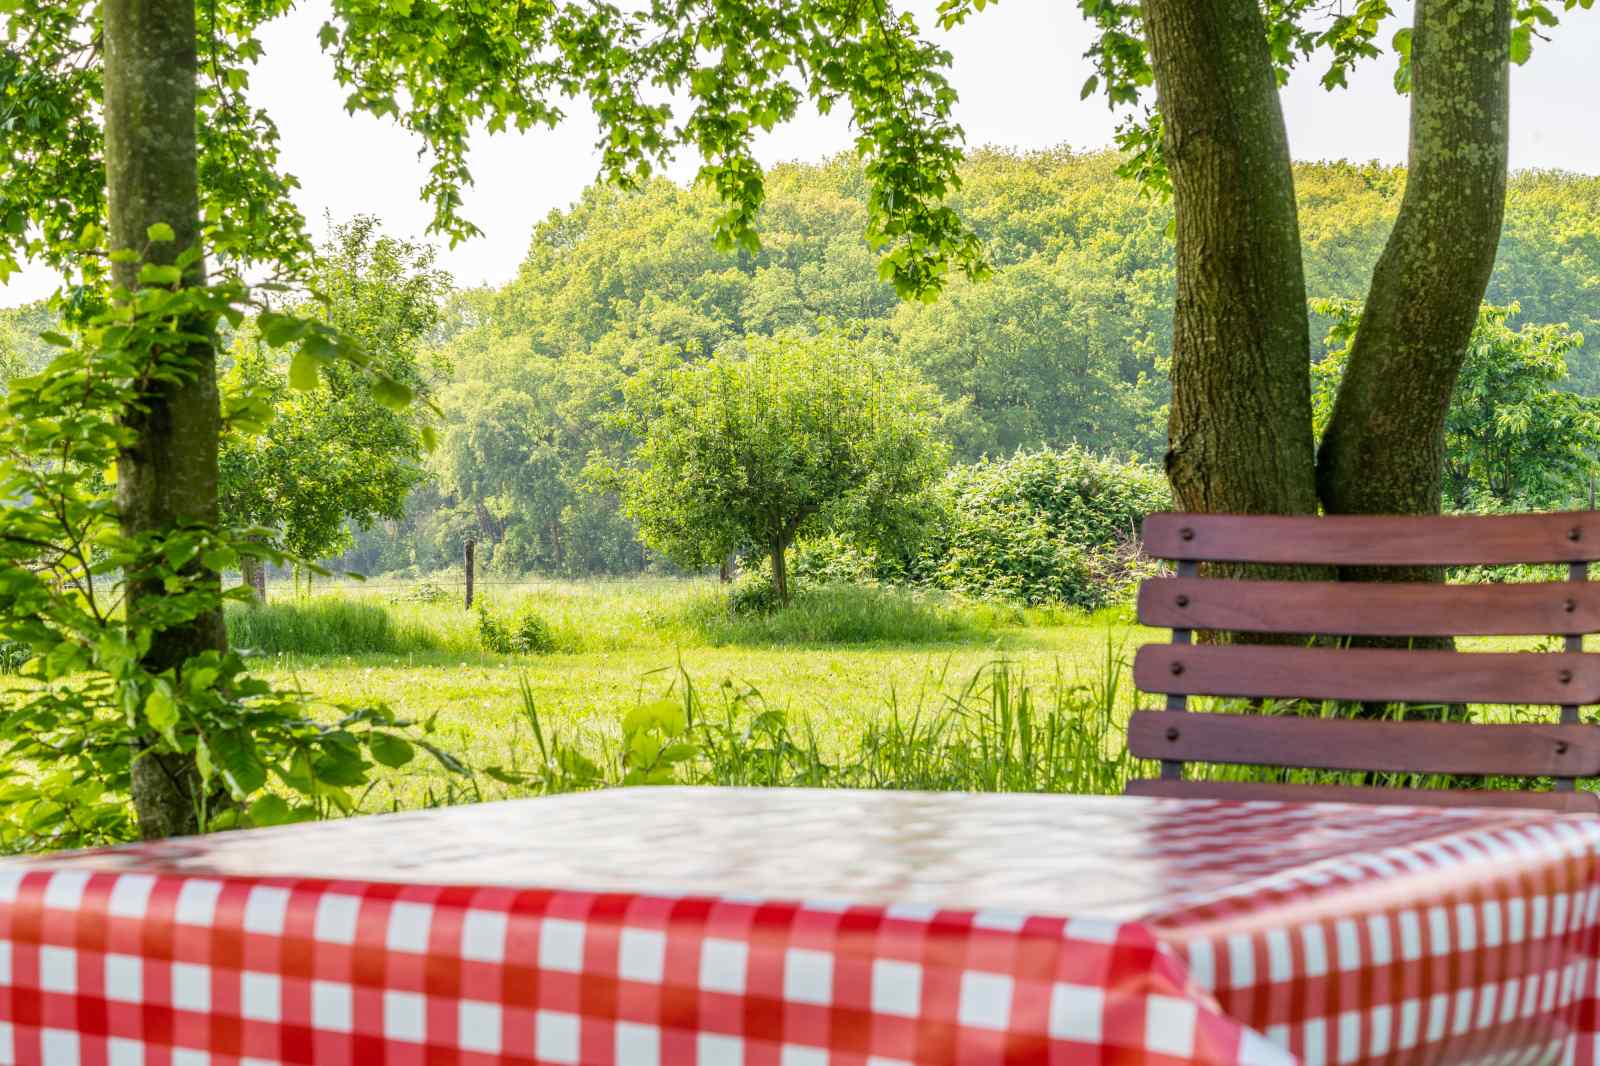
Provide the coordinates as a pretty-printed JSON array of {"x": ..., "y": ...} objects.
[{"x": 1066, "y": 343}]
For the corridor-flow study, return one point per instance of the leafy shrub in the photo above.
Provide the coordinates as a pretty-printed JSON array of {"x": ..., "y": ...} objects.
[
  {"x": 428, "y": 590},
  {"x": 524, "y": 633},
  {"x": 1045, "y": 527},
  {"x": 753, "y": 593},
  {"x": 13, "y": 653}
]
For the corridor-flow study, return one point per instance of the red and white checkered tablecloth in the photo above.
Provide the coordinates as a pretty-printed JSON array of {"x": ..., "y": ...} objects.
[{"x": 797, "y": 928}]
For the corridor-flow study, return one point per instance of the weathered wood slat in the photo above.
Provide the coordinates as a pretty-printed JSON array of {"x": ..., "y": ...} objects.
[
  {"x": 1371, "y": 608},
  {"x": 1376, "y": 540},
  {"x": 1532, "y": 750},
  {"x": 1576, "y": 802},
  {"x": 1368, "y": 674}
]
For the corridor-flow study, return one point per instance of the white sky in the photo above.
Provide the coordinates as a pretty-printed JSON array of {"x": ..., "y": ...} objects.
[{"x": 1018, "y": 67}]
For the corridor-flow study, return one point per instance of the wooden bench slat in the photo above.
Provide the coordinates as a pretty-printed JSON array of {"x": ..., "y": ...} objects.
[
  {"x": 1376, "y": 540},
  {"x": 1368, "y": 674},
  {"x": 1378, "y": 609},
  {"x": 1574, "y": 802},
  {"x": 1532, "y": 750}
]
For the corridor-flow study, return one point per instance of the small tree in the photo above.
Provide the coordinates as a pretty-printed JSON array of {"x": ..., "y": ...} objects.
[
  {"x": 344, "y": 453},
  {"x": 791, "y": 436}
]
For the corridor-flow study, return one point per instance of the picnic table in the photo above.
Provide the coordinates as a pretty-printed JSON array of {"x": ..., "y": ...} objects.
[{"x": 797, "y": 927}]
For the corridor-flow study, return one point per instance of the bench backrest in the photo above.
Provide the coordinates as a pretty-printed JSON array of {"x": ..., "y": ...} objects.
[{"x": 1568, "y": 679}]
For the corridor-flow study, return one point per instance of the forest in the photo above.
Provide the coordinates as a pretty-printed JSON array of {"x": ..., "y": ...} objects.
[{"x": 1065, "y": 344}]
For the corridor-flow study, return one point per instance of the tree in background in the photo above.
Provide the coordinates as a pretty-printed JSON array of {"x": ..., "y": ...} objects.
[
  {"x": 338, "y": 455},
  {"x": 790, "y": 436},
  {"x": 1515, "y": 437}
]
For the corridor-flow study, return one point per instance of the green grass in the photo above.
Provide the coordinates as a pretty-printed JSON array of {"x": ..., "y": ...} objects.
[
  {"x": 898, "y": 685},
  {"x": 325, "y": 626}
]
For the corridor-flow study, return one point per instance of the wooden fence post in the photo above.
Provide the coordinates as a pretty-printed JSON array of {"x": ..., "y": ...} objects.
[{"x": 471, "y": 551}]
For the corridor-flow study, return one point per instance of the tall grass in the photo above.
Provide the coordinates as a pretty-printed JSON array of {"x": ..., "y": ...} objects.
[
  {"x": 326, "y": 625},
  {"x": 844, "y": 614},
  {"x": 1000, "y": 731}
]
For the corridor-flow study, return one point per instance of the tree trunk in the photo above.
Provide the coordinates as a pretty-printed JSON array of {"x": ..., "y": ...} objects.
[
  {"x": 780, "y": 570},
  {"x": 1383, "y": 452},
  {"x": 1240, "y": 426},
  {"x": 169, "y": 475},
  {"x": 254, "y": 573}
]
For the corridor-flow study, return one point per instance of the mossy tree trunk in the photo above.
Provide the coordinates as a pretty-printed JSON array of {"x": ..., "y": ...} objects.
[
  {"x": 1383, "y": 452},
  {"x": 1240, "y": 425},
  {"x": 169, "y": 477}
]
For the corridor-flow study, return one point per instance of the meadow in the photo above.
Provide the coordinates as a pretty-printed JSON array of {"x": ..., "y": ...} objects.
[
  {"x": 654, "y": 681},
  {"x": 868, "y": 685}
]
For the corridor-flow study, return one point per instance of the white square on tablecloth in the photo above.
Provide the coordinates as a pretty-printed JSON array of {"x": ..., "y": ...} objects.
[
  {"x": 1076, "y": 1012},
  {"x": 65, "y": 890},
  {"x": 124, "y": 978},
  {"x": 337, "y": 915},
  {"x": 478, "y": 1027},
  {"x": 555, "y": 1036},
  {"x": 1378, "y": 939},
  {"x": 1382, "y": 1024},
  {"x": 1280, "y": 956},
  {"x": 409, "y": 924},
  {"x": 1241, "y": 961},
  {"x": 638, "y": 1045},
  {"x": 405, "y": 1016},
  {"x": 1349, "y": 1036},
  {"x": 191, "y": 987},
  {"x": 1315, "y": 949},
  {"x": 8, "y": 1043},
  {"x": 1169, "y": 1025},
  {"x": 1438, "y": 931},
  {"x": 130, "y": 896},
  {"x": 59, "y": 1045},
  {"x": 808, "y": 976},
  {"x": 1093, "y": 930},
  {"x": 265, "y": 910},
  {"x": 795, "y": 1055},
  {"x": 561, "y": 945},
  {"x": 332, "y": 1006},
  {"x": 197, "y": 902},
  {"x": 123, "y": 1052},
  {"x": 642, "y": 955},
  {"x": 483, "y": 936},
  {"x": 183, "y": 1056},
  {"x": 1257, "y": 1050},
  {"x": 722, "y": 965},
  {"x": 1410, "y": 936},
  {"x": 714, "y": 1049},
  {"x": 1348, "y": 939},
  {"x": 261, "y": 996},
  {"x": 58, "y": 969},
  {"x": 896, "y": 987},
  {"x": 1314, "y": 1042},
  {"x": 985, "y": 1000}
]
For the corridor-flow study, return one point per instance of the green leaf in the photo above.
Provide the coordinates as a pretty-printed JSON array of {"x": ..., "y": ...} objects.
[
  {"x": 160, "y": 232},
  {"x": 663, "y": 715},
  {"x": 271, "y": 810},
  {"x": 389, "y": 750},
  {"x": 161, "y": 710},
  {"x": 1521, "y": 44},
  {"x": 304, "y": 372},
  {"x": 234, "y": 752},
  {"x": 156, "y": 274},
  {"x": 391, "y": 393}
]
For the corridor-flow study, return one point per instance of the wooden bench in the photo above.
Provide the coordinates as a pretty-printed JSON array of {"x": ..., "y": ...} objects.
[{"x": 1569, "y": 679}]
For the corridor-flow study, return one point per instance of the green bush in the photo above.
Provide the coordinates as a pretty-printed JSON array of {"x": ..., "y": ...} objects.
[
  {"x": 524, "y": 633},
  {"x": 324, "y": 626},
  {"x": 1045, "y": 527}
]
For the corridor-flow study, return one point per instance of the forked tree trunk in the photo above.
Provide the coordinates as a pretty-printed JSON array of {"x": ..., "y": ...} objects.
[
  {"x": 170, "y": 475},
  {"x": 1383, "y": 451},
  {"x": 1240, "y": 426}
]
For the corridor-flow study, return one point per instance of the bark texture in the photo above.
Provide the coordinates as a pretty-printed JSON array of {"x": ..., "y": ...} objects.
[
  {"x": 1383, "y": 451},
  {"x": 254, "y": 574},
  {"x": 1240, "y": 426},
  {"x": 170, "y": 476}
]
